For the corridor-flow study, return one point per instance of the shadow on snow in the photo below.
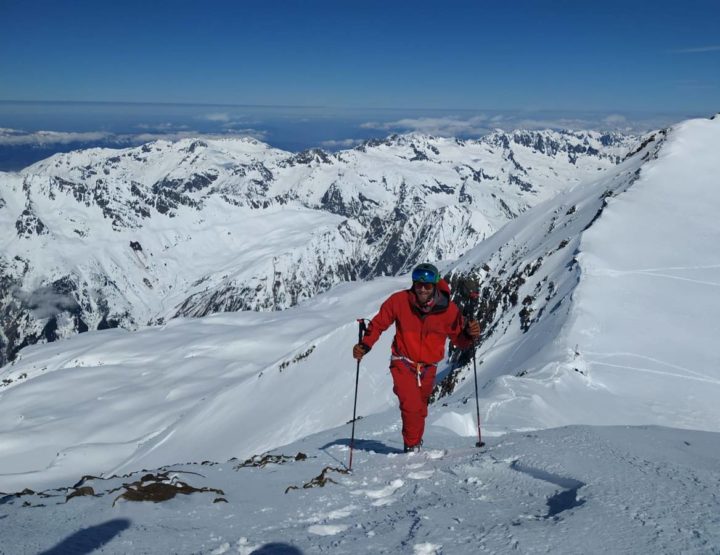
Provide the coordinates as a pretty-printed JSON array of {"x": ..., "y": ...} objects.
[
  {"x": 277, "y": 549},
  {"x": 561, "y": 501},
  {"x": 89, "y": 539},
  {"x": 368, "y": 445}
]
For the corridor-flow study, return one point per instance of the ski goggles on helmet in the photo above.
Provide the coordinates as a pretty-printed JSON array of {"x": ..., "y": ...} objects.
[
  {"x": 421, "y": 285},
  {"x": 425, "y": 275}
]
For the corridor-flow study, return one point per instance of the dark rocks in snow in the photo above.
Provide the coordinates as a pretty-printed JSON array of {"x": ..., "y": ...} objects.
[
  {"x": 657, "y": 138},
  {"x": 158, "y": 488},
  {"x": 195, "y": 145},
  {"x": 29, "y": 224},
  {"x": 366, "y": 201},
  {"x": 525, "y": 316},
  {"x": 261, "y": 461},
  {"x": 511, "y": 158},
  {"x": 418, "y": 154},
  {"x": 169, "y": 195},
  {"x": 440, "y": 188},
  {"x": 34, "y": 317},
  {"x": 321, "y": 479},
  {"x": 296, "y": 358},
  {"x": 498, "y": 295},
  {"x": 308, "y": 157},
  {"x": 524, "y": 185},
  {"x": 603, "y": 197},
  {"x": 80, "y": 492},
  {"x": 334, "y": 201},
  {"x": 107, "y": 322}
]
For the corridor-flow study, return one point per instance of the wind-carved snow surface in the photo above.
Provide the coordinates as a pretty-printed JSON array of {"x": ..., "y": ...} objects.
[
  {"x": 567, "y": 490},
  {"x": 598, "y": 308},
  {"x": 614, "y": 285},
  {"x": 122, "y": 238}
]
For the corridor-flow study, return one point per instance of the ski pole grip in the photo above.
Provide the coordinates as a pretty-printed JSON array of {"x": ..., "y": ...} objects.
[
  {"x": 473, "y": 297},
  {"x": 361, "y": 329}
]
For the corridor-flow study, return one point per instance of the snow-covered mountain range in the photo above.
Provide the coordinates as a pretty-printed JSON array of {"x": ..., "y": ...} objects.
[
  {"x": 598, "y": 306},
  {"x": 104, "y": 238}
]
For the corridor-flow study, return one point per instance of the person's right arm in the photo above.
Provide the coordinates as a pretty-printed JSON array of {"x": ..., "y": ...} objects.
[{"x": 382, "y": 321}]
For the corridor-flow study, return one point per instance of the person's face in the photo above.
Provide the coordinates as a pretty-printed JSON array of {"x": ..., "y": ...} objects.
[{"x": 423, "y": 291}]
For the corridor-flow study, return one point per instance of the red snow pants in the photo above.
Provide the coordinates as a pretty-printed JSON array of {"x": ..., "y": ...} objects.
[{"x": 413, "y": 398}]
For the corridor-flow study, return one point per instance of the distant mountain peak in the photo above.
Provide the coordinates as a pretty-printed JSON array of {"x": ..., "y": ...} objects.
[{"x": 234, "y": 224}]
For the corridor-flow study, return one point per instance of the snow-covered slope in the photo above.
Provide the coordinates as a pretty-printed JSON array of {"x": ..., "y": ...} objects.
[
  {"x": 599, "y": 309},
  {"x": 104, "y": 238},
  {"x": 570, "y": 490},
  {"x": 558, "y": 349},
  {"x": 220, "y": 386},
  {"x": 600, "y": 305}
]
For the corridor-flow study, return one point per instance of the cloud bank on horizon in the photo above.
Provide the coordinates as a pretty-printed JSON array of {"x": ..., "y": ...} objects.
[
  {"x": 482, "y": 124},
  {"x": 18, "y": 137},
  {"x": 334, "y": 132}
]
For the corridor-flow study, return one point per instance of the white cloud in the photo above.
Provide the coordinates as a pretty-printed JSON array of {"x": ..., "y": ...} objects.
[
  {"x": 259, "y": 134},
  {"x": 233, "y": 124},
  {"x": 615, "y": 119},
  {"x": 16, "y": 137},
  {"x": 216, "y": 116},
  {"x": 442, "y": 126},
  {"x": 480, "y": 124},
  {"x": 341, "y": 143},
  {"x": 713, "y": 48},
  {"x": 167, "y": 126},
  {"x": 176, "y": 136},
  {"x": 550, "y": 123},
  {"x": 45, "y": 302}
]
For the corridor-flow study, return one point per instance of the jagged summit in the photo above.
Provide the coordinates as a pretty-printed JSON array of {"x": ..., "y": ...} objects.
[{"x": 187, "y": 228}]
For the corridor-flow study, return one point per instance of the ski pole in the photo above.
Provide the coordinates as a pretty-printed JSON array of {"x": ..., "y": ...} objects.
[
  {"x": 480, "y": 442},
  {"x": 361, "y": 332}
]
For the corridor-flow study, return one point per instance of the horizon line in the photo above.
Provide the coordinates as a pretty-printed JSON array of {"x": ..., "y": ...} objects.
[{"x": 351, "y": 108}]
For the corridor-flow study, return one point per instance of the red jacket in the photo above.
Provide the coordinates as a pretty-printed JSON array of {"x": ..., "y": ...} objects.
[{"x": 419, "y": 336}]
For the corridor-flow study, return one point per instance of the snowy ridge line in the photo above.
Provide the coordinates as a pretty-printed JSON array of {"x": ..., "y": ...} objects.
[
  {"x": 196, "y": 227},
  {"x": 564, "y": 218},
  {"x": 571, "y": 283}
]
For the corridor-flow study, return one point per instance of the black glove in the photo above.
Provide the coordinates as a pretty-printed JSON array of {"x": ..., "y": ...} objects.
[
  {"x": 360, "y": 350},
  {"x": 472, "y": 329}
]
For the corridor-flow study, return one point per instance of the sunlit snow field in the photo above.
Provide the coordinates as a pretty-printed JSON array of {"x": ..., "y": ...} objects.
[{"x": 601, "y": 420}]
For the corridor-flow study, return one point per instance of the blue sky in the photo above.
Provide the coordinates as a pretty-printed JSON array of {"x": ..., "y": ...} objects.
[
  {"x": 482, "y": 55},
  {"x": 357, "y": 65}
]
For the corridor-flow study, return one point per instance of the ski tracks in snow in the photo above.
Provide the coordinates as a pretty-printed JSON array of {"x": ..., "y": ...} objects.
[
  {"x": 660, "y": 272},
  {"x": 688, "y": 373},
  {"x": 393, "y": 480}
]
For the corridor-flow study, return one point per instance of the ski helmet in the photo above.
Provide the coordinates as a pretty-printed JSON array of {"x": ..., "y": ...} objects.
[{"x": 426, "y": 273}]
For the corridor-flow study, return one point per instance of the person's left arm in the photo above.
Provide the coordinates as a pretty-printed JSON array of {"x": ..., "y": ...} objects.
[{"x": 463, "y": 332}]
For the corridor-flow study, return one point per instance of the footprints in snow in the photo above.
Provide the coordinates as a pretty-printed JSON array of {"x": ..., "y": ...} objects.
[
  {"x": 382, "y": 496},
  {"x": 378, "y": 497},
  {"x": 327, "y": 529}
]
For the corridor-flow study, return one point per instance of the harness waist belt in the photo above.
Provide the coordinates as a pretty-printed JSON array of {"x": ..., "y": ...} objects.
[{"x": 418, "y": 367}]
